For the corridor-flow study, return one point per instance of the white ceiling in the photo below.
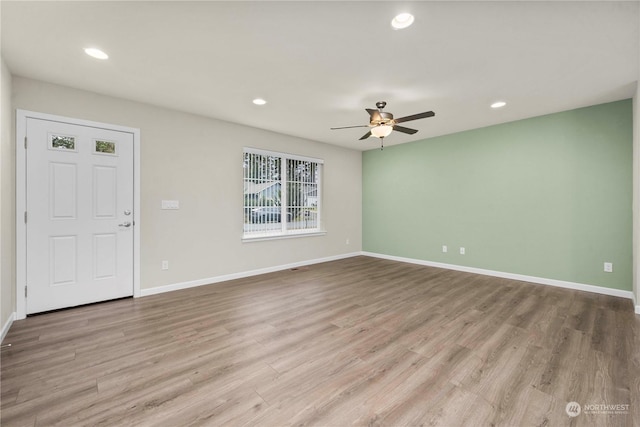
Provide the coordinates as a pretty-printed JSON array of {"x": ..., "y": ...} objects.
[{"x": 320, "y": 63}]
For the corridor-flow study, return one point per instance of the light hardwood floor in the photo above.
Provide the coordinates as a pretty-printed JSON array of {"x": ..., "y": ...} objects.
[{"x": 360, "y": 341}]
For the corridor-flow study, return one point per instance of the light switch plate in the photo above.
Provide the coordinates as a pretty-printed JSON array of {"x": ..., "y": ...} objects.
[{"x": 170, "y": 204}]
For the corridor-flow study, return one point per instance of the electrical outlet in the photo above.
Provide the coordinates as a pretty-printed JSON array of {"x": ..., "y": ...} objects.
[
  {"x": 608, "y": 267},
  {"x": 444, "y": 248},
  {"x": 165, "y": 265},
  {"x": 462, "y": 251}
]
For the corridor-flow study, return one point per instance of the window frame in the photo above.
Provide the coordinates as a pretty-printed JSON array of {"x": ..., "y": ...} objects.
[{"x": 285, "y": 231}]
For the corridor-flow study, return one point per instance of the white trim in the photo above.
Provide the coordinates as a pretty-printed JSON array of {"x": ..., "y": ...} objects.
[
  {"x": 636, "y": 304},
  {"x": 21, "y": 191},
  {"x": 513, "y": 276},
  {"x": 137, "y": 212},
  {"x": 281, "y": 154},
  {"x": 7, "y": 326},
  {"x": 233, "y": 276},
  {"x": 21, "y": 207},
  {"x": 283, "y": 236}
]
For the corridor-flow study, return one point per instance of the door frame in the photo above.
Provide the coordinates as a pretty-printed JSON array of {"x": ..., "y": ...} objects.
[{"x": 21, "y": 198}]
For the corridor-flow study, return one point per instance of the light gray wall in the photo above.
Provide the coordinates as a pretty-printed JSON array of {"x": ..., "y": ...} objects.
[
  {"x": 198, "y": 161},
  {"x": 7, "y": 199}
]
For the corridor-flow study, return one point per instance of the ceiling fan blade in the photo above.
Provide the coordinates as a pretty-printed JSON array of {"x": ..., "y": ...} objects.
[
  {"x": 349, "y": 127},
  {"x": 371, "y": 111},
  {"x": 415, "y": 117},
  {"x": 366, "y": 135},
  {"x": 405, "y": 130}
]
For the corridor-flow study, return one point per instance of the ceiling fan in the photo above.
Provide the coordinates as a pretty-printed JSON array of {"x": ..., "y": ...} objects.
[{"x": 382, "y": 123}]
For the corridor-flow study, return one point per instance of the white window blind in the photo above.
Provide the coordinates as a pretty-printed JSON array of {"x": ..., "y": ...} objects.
[{"x": 282, "y": 194}]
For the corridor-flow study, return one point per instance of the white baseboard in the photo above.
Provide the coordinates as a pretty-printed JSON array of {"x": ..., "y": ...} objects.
[
  {"x": 513, "y": 276},
  {"x": 241, "y": 275},
  {"x": 636, "y": 304},
  {"x": 7, "y": 326}
]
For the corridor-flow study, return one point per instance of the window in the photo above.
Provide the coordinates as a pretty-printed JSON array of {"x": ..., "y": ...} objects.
[
  {"x": 104, "y": 147},
  {"x": 282, "y": 194},
  {"x": 62, "y": 142}
]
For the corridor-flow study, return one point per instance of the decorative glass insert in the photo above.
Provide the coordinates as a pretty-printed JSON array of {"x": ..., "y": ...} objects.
[
  {"x": 105, "y": 147},
  {"x": 62, "y": 142}
]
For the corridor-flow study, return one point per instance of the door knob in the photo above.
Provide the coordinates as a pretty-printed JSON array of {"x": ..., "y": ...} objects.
[{"x": 126, "y": 224}]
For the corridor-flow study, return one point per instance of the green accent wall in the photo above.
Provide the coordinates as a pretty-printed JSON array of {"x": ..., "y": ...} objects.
[{"x": 547, "y": 197}]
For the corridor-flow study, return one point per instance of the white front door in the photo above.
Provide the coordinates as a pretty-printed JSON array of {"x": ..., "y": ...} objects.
[{"x": 79, "y": 221}]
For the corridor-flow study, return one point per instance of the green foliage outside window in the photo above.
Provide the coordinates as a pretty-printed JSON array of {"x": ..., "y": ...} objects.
[
  {"x": 105, "y": 147},
  {"x": 64, "y": 142}
]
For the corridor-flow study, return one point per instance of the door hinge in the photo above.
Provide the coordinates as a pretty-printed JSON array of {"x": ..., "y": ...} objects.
[
  {"x": 25, "y": 142},
  {"x": 25, "y": 217},
  {"x": 25, "y": 291}
]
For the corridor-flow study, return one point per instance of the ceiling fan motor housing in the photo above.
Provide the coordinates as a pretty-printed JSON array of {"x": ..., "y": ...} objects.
[{"x": 380, "y": 117}]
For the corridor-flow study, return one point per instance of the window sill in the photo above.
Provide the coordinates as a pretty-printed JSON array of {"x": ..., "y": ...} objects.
[{"x": 248, "y": 239}]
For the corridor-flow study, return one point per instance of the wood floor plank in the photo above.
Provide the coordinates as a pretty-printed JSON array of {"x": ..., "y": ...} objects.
[{"x": 359, "y": 341}]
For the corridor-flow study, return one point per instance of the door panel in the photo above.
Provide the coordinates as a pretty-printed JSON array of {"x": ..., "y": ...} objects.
[
  {"x": 105, "y": 251},
  {"x": 104, "y": 192},
  {"x": 79, "y": 196},
  {"x": 63, "y": 254},
  {"x": 62, "y": 190}
]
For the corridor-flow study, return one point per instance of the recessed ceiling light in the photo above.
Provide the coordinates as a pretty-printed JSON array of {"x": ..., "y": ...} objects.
[
  {"x": 96, "y": 53},
  {"x": 259, "y": 101},
  {"x": 498, "y": 104},
  {"x": 402, "y": 20}
]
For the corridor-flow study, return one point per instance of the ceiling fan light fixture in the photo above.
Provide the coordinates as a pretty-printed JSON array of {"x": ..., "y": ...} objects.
[
  {"x": 381, "y": 131},
  {"x": 402, "y": 20}
]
